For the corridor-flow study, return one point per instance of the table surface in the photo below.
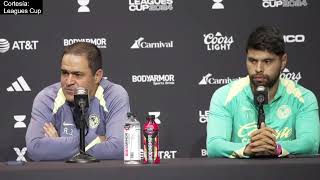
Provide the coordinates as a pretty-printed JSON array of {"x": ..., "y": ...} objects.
[{"x": 186, "y": 168}]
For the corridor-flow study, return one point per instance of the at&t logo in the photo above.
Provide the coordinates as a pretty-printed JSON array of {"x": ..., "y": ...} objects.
[{"x": 18, "y": 45}]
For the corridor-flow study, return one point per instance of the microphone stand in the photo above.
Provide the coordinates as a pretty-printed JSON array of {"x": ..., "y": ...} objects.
[
  {"x": 82, "y": 157},
  {"x": 261, "y": 115}
]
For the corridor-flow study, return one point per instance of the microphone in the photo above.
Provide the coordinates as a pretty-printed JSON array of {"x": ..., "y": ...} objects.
[
  {"x": 81, "y": 98},
  {"x": 261, "y": 98},
  {"x": 261, "y": 95},
  {"x": 81, "y": 103}
]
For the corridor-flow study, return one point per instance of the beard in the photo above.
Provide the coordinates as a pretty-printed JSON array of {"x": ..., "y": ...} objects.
[{"x": 263, "y": 80}]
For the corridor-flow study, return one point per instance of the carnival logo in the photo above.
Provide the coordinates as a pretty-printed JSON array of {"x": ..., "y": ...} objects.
[
  {"x": 140, "y": 44},
  {"x": 208, "y": 79}
]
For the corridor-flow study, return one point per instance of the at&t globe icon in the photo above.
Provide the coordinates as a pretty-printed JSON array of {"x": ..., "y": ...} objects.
[{"x": 4, "y": 45}]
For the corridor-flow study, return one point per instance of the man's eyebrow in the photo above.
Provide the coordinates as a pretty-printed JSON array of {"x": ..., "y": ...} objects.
[
  {"x": 269, "y": 58},
  {"x": 71, "y": 72}
]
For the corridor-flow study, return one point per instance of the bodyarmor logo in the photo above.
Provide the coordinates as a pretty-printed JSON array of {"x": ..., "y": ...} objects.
[
  {"x": 99, "y": 42},
  {"x": 18, "y": 45},
  {"x": 83, "y": 5},
  {"x": 139, "y": 43},
  {"x": 217, "y": 4},
  {"x": 294, "y": 38},
  {"x": 151, "y": 5},
  {"x": 20, "y": 153},
  {"x": 283, "y": 3},
  {"x": 207, "y": 79},
  {"x": 203, "y": 116},
  {"x": 156, "y": 115},
  {"x": 283, "y": 112},
  {"x": 165, "y": 79},
  {"x": 217, "y": 42},
  {"x": 94, "y": 121},
  {"x": 19, "y": 119},
  {"x": 286, "y": 74}
]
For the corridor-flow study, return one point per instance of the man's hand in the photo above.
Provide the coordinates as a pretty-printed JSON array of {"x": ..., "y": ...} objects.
[
  {"x": 102, "y": 138},
  {"x": 263, "y": 142},
  {"x": 50, "y": 131}
]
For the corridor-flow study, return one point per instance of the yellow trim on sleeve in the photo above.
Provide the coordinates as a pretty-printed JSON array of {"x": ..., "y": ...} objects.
[
  {"x": 236, "y": 88},
  {"x": 100, "y": 97},
  {"x": 290, "y": 86},
  {"x": 58, "y": 101}
]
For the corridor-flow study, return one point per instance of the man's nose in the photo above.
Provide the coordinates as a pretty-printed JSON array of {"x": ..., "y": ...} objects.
[
  {"x": 70, "y": 79},
  {"x": 259, "y": 67}
]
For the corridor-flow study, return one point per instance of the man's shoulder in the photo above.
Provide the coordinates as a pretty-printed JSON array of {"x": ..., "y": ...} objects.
[
  {"x": 233, "y": 89},
  {"x": 49, "y": 93},
  {"x": 50, "y": 90},
  {"x": 112, "y": 89},
  {"x": 297, "y": 90}
]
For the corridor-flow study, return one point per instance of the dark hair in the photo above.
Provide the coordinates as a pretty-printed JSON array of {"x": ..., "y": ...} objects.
[
  {"x": 267, "y": 38},
  {"x": 91, "y": 51}
]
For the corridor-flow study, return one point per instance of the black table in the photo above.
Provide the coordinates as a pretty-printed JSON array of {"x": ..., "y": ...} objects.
[{"x": 181, "y": 168}]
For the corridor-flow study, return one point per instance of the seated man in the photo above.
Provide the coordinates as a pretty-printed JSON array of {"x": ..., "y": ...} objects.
[
  {"x": 291, "y": 114},
  {"x": 52, "y": 132}
]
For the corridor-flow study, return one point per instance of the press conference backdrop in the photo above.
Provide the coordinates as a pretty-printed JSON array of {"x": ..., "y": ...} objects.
[{"x": 169, "y": 57}]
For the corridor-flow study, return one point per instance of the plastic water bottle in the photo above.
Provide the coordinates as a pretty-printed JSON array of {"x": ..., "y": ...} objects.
[{"x": 132, "y": 140}]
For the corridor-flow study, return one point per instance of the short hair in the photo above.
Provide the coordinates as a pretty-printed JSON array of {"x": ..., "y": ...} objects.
[
  {"x": 91, "y": 51},
  {"x": 267, "y": 38}
]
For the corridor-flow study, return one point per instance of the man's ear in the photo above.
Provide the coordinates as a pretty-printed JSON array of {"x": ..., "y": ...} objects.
[
  {"x": 284, "y": 61},
  {"x": 98, "y": 76}
]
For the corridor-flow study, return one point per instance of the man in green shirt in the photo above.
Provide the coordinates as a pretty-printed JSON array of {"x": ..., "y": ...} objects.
[{"x": 291, "y": 114}]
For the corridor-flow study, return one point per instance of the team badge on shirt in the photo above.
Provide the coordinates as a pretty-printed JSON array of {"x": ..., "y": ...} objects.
[
  {"x": 94, "y": 121},
  {"x": 283, "y": 112}
]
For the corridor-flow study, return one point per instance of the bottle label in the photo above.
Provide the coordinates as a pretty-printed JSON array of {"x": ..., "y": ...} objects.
[{"x": 132, "y": 143}]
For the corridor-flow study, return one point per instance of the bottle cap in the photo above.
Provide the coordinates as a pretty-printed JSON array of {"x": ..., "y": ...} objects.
[{"x": 129, "y": 114}]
